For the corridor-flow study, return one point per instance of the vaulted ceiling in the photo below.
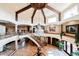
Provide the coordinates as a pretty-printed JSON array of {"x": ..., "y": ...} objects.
[{"x": 27, "y": 14}]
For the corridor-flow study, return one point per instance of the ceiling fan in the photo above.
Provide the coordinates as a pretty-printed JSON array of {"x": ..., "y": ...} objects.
[{"x": 36, "y": 6}]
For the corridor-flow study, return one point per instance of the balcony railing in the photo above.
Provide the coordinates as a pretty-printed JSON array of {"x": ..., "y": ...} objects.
[{"x": 7, "y": 36}]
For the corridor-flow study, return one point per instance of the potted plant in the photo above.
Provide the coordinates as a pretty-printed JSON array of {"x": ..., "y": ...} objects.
[
  {"x": 61, "y": 34},
  {"x": 61, "y": 45},
  {"x": 76, "y": 53},
  {"x": 77, "y": 39}
]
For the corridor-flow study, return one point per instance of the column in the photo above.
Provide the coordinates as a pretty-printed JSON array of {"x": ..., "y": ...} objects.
[
  {"x": 32, "y": 28},
  {"x": 16, "y": 44},
  {"x": 16, "y": 28},
  {"x": 51, "y": 40}
]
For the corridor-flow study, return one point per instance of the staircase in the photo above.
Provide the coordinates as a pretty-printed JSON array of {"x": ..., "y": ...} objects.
[
  {"x": 36, "y": 39},
  {"x": 39, "y": 40}
]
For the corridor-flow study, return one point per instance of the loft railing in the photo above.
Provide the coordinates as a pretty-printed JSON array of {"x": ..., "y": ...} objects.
[{"x": 6, "y": 36}]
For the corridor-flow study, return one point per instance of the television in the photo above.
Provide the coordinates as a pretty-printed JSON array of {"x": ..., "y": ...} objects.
[{"x": 72, "y": 28}]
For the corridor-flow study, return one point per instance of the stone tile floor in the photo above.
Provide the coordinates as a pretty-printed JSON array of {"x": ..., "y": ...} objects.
[{"x": 56, "y": 53}]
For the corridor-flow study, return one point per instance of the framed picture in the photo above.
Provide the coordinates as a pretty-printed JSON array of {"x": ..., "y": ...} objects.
[
  {"x": 52, "y": 28},
  {"x": 72, "y": 29}
]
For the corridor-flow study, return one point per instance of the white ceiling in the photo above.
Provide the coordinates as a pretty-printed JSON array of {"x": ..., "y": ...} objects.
[
  {"x": 60, "y": 6},
  {"x": 28, "y": 13},
  {"x": 17, "y": 6},
  {"x": 13, "y": 6}
]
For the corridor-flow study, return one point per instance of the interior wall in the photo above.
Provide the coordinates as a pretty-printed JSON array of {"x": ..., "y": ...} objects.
[
  {"x": 7, "y": 15},
  {"x": 23, "y": 29},
  {"x": 69, "y": 23},
  {"x": 56, "y": 30},
  {"x": 10, "y": 29}
]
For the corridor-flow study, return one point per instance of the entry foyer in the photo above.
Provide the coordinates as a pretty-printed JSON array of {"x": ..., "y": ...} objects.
[{"x": 39, "y": 29}]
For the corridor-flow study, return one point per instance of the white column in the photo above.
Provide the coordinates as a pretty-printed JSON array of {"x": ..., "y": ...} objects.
[
  {"x": 16, "y": 28},
  {"x": 16, "y": 44},
  {"x": 32, "y": 29},
  {"x": 51, "y": 40},
  {"x": 47, "y": 40}
]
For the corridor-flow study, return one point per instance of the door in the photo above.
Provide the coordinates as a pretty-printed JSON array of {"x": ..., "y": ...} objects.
[{"x": 49, "y": 40}]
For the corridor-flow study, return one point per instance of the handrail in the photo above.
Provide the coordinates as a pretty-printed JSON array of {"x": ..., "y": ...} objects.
[
  {"x": 31, "y": 38},
  {"x": 38, "y": 40},
  {"x": 6, "y": 36}
]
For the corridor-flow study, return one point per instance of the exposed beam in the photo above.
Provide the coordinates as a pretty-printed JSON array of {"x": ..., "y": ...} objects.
[
  {"x": 23, "y": 9},
  {"x": 33, "y": 15},
  {"x": 59, "y": 16},
  {"x": 16, "y": 16},
  {"x": 52, "y": 9},
  {"x": 43, "y": 16}
]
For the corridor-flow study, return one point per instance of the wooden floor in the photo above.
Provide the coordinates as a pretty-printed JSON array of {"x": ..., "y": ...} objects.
[
  {"x": 31, "y": 50},
  {"x": 28, "y": 50}
]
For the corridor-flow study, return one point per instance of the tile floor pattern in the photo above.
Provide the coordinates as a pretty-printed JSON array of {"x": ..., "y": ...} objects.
[
  {"x": 56, "y": 53},
  {"x": 50, "y": 50}
]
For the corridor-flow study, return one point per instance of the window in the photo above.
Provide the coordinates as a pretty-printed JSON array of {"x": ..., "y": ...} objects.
[
  {"x": 51, "y": 20},
  {"x": 71, "y": 12},
  {"x": 2, "y": 30}
]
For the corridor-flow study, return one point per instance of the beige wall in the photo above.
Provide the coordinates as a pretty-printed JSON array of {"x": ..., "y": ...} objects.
[
  {"x": 10, "y": 29},
  {"x": 69, "y": 23},
  {"x": 23, "y": 28},
  {"x": 57, "y": 28}
]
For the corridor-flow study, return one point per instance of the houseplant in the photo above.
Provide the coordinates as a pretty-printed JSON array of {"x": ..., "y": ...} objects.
[
  {"x": 77, "y": 44},
  {"x": 77, "y": 39},
  {"x": 61, "y": 34},
  {"x": 61, "y": 45}
]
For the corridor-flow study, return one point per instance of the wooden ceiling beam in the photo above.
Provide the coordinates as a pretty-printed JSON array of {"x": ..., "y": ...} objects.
[
  {"x": 23, "y": 9},
  {"x": 43, "y": 16},
  {"x": 33, "y": 15},
  {"x": 16, "y": 16},
  {"x": 59, "y": 16}
]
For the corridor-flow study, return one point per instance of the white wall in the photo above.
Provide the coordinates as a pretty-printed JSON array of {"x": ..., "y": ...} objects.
[
  {"x": 24, "y": 21},
  {"x": 76, "y": 17},
  {"x": 7, "y": 15}
]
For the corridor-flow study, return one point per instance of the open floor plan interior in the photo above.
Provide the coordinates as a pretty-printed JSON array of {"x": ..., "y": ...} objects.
[{"x": 39, "y": 29}]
